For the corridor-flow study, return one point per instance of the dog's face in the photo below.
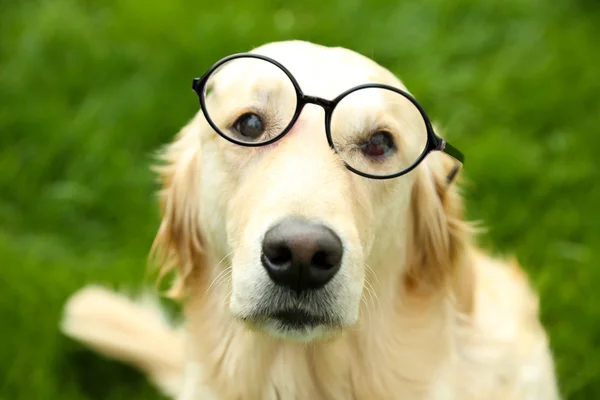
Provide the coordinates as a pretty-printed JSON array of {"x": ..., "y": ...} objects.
[{"x": 299, "y": 231}]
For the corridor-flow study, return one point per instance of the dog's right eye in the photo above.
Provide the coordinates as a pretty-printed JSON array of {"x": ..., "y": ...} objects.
[{"x": 250, "y": 126}]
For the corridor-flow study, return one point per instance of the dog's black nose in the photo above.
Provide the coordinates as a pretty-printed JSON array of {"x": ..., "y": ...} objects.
[{"x": 301, "y": 255}]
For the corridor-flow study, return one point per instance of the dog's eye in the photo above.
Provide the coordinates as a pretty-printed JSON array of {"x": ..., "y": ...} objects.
[
  {"x": 379, "y": 145},
  {"x": 250, "y": 126}
]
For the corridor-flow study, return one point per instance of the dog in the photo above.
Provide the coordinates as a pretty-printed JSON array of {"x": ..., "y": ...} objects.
[{"x": 300, "y": 275}]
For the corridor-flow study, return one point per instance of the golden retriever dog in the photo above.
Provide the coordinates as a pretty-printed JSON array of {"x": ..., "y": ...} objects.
[{"x": 314, "y": 228}]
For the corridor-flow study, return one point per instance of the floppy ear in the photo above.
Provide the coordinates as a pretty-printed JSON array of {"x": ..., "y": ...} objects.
[
  {"x": 178, "y": 243},
  {"x": 440, "y": 236}
]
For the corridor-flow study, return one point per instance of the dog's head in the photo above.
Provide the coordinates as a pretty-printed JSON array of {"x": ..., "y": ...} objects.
[{"x": 293, "y": 234}]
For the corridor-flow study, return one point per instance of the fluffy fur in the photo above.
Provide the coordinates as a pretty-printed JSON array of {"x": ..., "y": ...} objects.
[{"x": 425, "y": 314}]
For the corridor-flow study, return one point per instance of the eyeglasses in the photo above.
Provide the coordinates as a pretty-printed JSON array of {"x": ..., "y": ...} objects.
[{"x": 379, "y": 131}]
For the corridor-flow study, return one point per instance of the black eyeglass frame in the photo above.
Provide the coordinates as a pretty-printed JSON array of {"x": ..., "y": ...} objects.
[{"x": 434, "y": 142}]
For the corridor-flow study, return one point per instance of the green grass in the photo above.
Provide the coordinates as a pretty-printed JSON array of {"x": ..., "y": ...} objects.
[{"x": 88, "y": 90}]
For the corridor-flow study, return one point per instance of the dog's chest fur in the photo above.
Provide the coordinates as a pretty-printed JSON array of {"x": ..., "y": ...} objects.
[
  {"x": 428, "y": 355},
  {"x": 363, "y": 364},
  {"x": 335, "y": 371}
]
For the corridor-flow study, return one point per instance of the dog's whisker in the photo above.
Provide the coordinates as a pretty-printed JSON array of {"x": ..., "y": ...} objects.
[
  {"x": 228, "y": 297},
  {"x": 216, "y": 281},
  {"x": 371, "y": 272},
  {"x": 366, "y": 307},
  {"x": 366, "y": 300},
  {"x": 223, "y": 259},
  {"x": 219, "y": 279},
  {"x": 367, "y": 297},
  {"x": 223, "y": 275},
  {"x": 372, "y": 294},
  {"x": 371, "y": 289}
]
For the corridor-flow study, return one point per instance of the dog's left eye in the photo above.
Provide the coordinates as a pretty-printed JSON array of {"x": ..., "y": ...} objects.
[
  {"x": 250, "y": 126},
  {"x": 379, "y": 145}
]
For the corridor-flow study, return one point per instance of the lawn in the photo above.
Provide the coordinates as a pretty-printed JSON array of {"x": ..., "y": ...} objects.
[{"x": 89, "y": 90}]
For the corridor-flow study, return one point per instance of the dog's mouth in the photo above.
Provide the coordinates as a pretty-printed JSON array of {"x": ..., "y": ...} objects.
[
  {"x": 298, "y": 319},
  {"x": 294, "y": 324}
]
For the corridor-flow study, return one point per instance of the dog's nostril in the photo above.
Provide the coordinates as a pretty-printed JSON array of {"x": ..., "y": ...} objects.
[
  {"x": 301, "y": 255},
  {"x": 322, "y": 260},
  {"x": 279, "y": 255}
]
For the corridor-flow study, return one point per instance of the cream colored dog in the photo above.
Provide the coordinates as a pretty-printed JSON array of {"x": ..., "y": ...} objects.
[{"x": 399, "y": 303}]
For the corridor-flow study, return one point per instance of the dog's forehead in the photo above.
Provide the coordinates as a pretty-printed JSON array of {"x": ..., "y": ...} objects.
[{"x": 327, "y": 71}]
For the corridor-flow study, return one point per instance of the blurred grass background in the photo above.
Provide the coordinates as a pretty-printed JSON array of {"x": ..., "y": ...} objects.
[{"x": 89, "y": 90}]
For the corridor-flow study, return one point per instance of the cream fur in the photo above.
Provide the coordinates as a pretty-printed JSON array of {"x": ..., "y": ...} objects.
[{"x": 426, "y": 315}]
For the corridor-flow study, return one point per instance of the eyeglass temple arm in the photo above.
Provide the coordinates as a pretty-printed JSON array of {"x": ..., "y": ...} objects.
[
  {"x": 454, "y": 153},
  {"x": 196, "y": 83}
]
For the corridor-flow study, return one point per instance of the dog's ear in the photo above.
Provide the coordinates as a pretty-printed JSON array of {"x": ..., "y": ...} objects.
[
  {"x": 440, "y": 236},
  {"x": 178, "y": 243}
]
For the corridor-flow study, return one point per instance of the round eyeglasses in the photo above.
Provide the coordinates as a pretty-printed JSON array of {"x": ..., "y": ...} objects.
[{"x": 379, "y": 131}]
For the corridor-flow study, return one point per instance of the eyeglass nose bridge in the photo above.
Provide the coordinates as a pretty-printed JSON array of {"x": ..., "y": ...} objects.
[{"x": 327, "y": 105}]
